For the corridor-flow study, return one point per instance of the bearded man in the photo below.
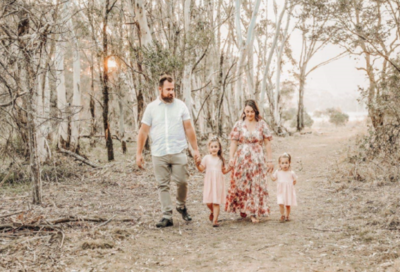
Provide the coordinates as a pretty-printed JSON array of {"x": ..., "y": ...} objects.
[{"x": 168, "y": 121}]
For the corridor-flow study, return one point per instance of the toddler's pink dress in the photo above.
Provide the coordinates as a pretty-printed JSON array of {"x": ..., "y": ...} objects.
[
  {"x": 214, "y": 184},
  {"x": 286, "y": 193}
]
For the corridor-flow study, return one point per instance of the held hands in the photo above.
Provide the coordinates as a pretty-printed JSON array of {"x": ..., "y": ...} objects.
[
  {"x": 231, "y": 162},
  {"x": 196, "y": 155},
  {"x": 270, "y": 167},
  {"x": 226, "y": 169}
]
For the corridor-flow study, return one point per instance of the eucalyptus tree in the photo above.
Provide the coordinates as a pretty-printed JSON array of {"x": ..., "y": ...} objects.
[
  {"x": 370, "y": 29},
  {"x": 245, "y": 49},
  {"x": 24, "y": 34},
  {"x": 317, "y": 31},
  {"x": 266, "y": 88}
]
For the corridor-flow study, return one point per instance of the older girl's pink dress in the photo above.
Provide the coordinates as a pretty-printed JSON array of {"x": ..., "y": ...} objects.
[
  {"x": 214, "y": 184},
  {"x": 286, "y": 194}
]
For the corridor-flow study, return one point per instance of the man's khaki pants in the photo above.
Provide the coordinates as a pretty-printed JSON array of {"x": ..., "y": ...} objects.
[{"x": 174, "y": 166}]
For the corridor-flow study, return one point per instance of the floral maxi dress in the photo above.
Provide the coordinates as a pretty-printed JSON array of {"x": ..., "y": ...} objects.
[{"x": 248, "y": 189}]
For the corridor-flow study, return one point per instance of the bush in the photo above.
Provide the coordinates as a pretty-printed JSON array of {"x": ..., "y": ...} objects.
[
  {"x": 338, "y": 118},
  {"x": 291, "y": 115}
]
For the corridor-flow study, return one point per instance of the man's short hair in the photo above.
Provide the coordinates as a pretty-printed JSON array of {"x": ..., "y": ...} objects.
[{"x": 164, "y": 78}]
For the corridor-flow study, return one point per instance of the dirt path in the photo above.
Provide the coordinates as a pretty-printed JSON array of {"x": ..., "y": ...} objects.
[
  {"x": 344, "y": 226},
  {"x": 239, "y": 245}
]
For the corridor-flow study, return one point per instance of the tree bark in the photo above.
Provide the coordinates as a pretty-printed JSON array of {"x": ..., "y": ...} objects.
[
  {"x": 106, "y": 99},
  {"x": 76, "y": 97},
  {"x": 300, "y": 109}
]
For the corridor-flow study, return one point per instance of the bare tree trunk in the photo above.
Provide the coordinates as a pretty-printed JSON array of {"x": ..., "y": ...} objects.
[
  {"x": 106, "y": 123},
  {"x": 30, "y": 84},
  {"x": 187, "y": 70},
  {"x": 63, "y": 139},
  {"x": 277, "y": 114},
  {"x": 121, "y": 130},
  {"x": 264, "y": 85},
  {"x": 221, "y": 96},
  {"x": 92, "y": 104},
  {"x": 300, "y": 110},
  {"x": 76, "y": 97}
]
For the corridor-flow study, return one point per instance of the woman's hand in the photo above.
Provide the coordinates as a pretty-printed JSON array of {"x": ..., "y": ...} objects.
[
  {"x": 231, "y": 162},
  {"x": 294, "y": 182},
  {"x": 270, "y": 167}
]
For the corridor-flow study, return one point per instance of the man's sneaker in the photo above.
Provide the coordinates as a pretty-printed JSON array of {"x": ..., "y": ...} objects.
[
  {"x": 184, "y": 213},
  {"x": 165, "y": 223}
]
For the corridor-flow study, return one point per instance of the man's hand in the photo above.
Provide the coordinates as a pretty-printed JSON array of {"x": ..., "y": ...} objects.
[
  {"x": 196, "y": 155},
  {"x": 140, "y": 161}
]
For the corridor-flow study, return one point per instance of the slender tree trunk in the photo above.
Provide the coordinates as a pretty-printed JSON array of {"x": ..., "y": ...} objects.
[
  {"x": 300, "y": 109},
  {"x": 187, "y": 70},
  {"x": 63, "y": 139},
  {"x": 221, "y": 96},
  {"x": 76, "y": 97},
  {"x": 40, "y": 120},
  {"x": 92, "y": 105},
  {"x": 106, "y": 99},
  {"x": 264, "y": 86},
  {"x": 29, "y": 78}
]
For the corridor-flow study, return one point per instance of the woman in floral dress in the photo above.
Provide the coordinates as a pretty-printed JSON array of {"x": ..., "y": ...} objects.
[{"x": 248, "y": 192}]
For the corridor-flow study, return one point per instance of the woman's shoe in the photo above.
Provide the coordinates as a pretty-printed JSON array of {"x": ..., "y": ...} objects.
[
  {"x": 282, "y": 220},
  {"x": 243, "y": 215},
  {"x": 287, "y": 218},
  {"x": 211, "y": 217}
]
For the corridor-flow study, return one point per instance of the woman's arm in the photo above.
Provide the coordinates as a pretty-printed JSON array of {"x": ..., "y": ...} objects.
[
  {"x": 232, "y": 152},
  {"x": 273, "y": 177},
  {"x": 268, "y": 149}
]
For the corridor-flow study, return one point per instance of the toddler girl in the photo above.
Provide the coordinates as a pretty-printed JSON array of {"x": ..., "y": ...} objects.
[
  {"x": 286, "y": 180},
  {"x": 214, "y": 184}
]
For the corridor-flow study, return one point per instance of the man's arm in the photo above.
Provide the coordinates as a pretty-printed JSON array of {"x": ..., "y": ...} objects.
[
  {"x": 191, "y": 135},
  {"x": 141, "y": 140}
]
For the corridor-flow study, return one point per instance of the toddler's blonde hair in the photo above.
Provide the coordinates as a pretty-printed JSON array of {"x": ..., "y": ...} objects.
[{"x": 285, "y": 155}]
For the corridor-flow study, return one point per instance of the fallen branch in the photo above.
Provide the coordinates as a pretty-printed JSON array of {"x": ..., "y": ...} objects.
[
  {"x": 105, "y": 223},
  {"x": 325, "y": 230},
  {"x": 80, "y": 158},
  {"x": 50, "y": 223},
  {"x": 87, "y": 219},
  {"x": 28, "y": 226},
  {"x": 11, "y": 214}
]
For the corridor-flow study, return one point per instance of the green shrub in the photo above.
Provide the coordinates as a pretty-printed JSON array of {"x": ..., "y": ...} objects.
[
  {"x": 337, "y": 117},
  {"x": 291, "y": 115}
]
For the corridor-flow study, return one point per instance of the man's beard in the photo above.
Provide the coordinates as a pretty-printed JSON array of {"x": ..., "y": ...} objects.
[{"x": 167, "y": 98}]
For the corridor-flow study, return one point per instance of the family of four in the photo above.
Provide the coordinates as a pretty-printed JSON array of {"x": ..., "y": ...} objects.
[{"x": 167, "y": 121}]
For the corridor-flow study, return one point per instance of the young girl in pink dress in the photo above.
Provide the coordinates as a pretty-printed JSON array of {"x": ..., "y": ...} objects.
[
  {"x": 286, "y": 193},
  {"x": 214, "y": 184}
]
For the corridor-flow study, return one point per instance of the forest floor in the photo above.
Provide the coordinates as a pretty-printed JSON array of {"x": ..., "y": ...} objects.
[{"x": 338, "y": 226}]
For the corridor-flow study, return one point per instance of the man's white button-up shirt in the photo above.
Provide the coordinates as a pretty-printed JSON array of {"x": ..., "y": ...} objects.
[{"x": 167, "y": 133}]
